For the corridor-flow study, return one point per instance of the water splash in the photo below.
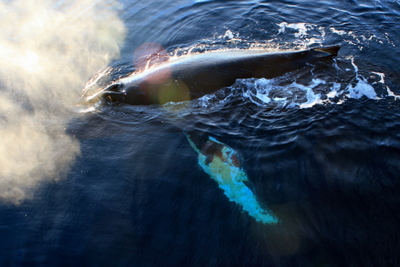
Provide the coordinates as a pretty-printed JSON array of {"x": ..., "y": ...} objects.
[
  {"x": 343, "y": 83},
  {"x": 301, "y": 89}
]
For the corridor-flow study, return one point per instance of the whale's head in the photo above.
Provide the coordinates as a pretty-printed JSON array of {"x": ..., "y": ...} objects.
[
  {"x": 117, "y": 93},
  {"x": 146, "y": 93},
  {"x": 114, "y": 93}
]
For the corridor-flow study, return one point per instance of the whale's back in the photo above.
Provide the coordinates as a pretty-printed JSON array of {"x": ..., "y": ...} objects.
[{"x": 194, "y": 76}]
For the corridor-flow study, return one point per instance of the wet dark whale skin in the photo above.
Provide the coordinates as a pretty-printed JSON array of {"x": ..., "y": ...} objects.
[{"x": 208, "y": 72}]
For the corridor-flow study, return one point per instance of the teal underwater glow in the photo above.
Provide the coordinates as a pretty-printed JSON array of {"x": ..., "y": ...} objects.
[{"x": 223, "y": 165}]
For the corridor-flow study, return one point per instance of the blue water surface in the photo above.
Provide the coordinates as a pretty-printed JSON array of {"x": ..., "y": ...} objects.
[{"x": 321, "y": 149}]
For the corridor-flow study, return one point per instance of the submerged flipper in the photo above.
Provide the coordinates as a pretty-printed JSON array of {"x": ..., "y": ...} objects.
[{"x": 223, "y": 165}]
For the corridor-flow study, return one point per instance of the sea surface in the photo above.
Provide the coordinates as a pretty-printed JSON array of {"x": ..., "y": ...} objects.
[{"x": 118, "y": 185}]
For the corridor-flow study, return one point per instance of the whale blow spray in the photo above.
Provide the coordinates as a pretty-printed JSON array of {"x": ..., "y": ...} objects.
[{"x": 48, "y": 50}]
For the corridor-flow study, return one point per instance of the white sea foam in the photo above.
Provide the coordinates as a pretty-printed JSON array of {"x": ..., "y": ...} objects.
[
  {"x": 302, "y": 32},
  {"x": 263, "y": 91},
  {"x": 269, "y": 92},
  {"x": 362, "y": 88},
  {"x": 358, "y": 39},
  {"x": 335, "y": 91},
  {"x": 302, "y": 28},
  {"x": 312, "y": 98}
]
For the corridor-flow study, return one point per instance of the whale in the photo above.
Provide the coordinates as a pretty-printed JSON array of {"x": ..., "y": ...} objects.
[
  {"x": 183, "y": 78},
  {"x": 224, "y": 166}
]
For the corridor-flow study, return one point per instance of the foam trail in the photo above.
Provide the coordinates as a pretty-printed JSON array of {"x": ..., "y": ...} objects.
[
  {"x": 222, "y": 164},
  {"x": 48, "y": 50}
]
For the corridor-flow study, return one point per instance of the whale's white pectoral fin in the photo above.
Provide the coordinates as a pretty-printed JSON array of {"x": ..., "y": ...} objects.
[{"x": 222, "y": 164}]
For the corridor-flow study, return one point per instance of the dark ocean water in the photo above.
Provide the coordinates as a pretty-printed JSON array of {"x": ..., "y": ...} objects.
[{"x": 320, "y": 146}]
